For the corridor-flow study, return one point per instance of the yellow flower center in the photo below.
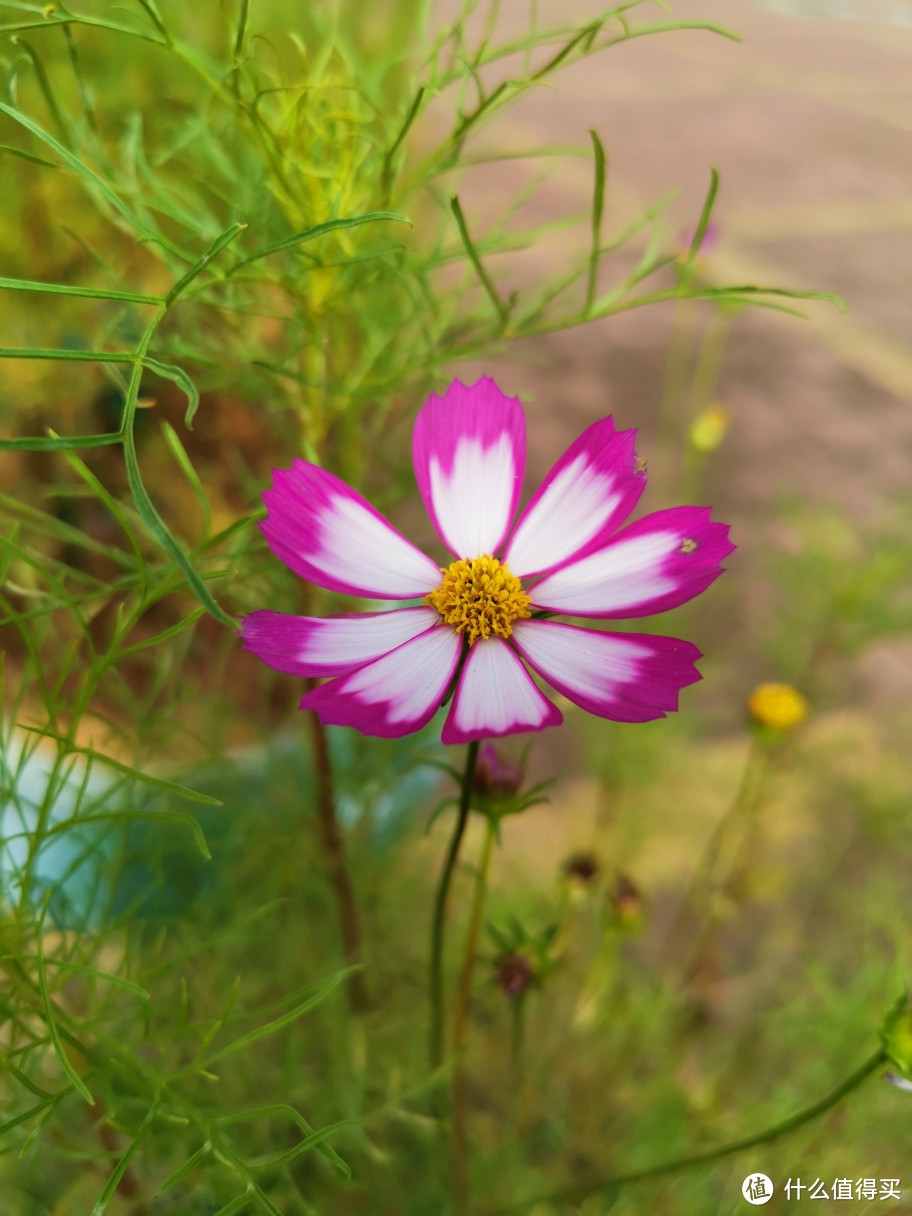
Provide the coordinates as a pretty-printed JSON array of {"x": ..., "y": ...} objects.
[{"x": 479, "y": 596}]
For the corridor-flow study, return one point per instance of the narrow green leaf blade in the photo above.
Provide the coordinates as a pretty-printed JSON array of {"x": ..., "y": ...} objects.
[
  {"x": 177, "y": 376},
  {"x": 92, "y": 293},
  {"x": 311, "y": 234}
]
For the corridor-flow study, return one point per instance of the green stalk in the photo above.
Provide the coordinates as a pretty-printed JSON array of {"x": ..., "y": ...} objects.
[
  {"x": 440, "y": 903},
  {"x": 578, "y": 1194},
  {"x": 461, "y": 1019},
  {"x": 333, "y": 847},
  {"x": 702, "y": 390},
  {"x": 677, "y": 365},
  {"x": 517, "y": 1046},
  {"x": 705, "y": 879}
]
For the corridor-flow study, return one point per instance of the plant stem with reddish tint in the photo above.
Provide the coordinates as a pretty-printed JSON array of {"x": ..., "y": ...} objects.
[
  {"x": 333, "y": 847},
  {"x": 461, "y": 1019},
  {"x": 440, "y": 902}
]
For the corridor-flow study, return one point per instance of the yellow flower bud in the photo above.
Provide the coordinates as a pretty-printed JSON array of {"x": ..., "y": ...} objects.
[
  {"x": 778, "y": 706},
  {"x": 709, "y": 428}
]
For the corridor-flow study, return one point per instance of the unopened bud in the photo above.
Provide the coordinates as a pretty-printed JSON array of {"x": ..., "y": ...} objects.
[
  {"x": 626, "y": 901},
  {"x": 581, "y": 868},
  {"x": 896, "y": 1035},
  {"x": 709, "y": 428},
  {"x": 515, "y": 972},
  {"x": 496, "y": 775}
]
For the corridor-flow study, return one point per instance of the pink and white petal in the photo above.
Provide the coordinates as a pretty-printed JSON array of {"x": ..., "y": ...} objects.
[
  {"x": 496, "y": 696},
  {"x": 326, "y": 532},
  {"x": 469, "y": 450},
  {"x": 331, "y": 645},
  {"x": 657, "y": 563},
  {"x": 628, "y": 677},
  {"x": 396, "y": 694},
  {"x": 586, "y": 496}
]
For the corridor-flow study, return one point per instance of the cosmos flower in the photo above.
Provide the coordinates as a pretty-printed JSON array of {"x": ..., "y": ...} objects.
[{"x": 483, "y": 620}]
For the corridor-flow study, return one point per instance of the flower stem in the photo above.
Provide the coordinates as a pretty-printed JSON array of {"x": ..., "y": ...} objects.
[
  {"x": 440, "y": 902},
  {"x": 702, "y": 390},
  {"x": 461, "y": 1018},
  {"x": 579, "y": 1193},
  {"x": 706, "y": 879},
  {"x": 334, "y": 854},
  {"x": 517, "y": 1045},
  {"x": 678, "y": 360}
]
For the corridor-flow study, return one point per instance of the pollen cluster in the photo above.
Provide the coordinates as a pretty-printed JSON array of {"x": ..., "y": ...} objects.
[{"x": 479, "y": 597}]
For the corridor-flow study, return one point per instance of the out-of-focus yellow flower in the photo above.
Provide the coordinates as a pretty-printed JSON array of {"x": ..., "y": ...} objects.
[
  {"x": 778, "y": 706},
  {"x": 710, "y": 427}
]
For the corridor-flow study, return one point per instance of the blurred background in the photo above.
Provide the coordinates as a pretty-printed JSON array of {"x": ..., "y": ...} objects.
[{"x": 715, "y": 906}]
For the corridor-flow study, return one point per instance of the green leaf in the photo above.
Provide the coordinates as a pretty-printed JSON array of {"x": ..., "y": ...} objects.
[
  {"x": 147, "y": 511},
  {"x": 73, "y": 356},
  {"x": 896, "y": 1033},
  {"x": 387, "y": 171},
  {"x": 179, "y": 452},
  {"x": 751, "y": 289},
  {"x": 35, "y": 1110},
  {"x": 90, "y": 176},
  {"x": 37, "y": 443},
  {"x": 45, "y": 85},
  {"x": 187, "y": 1168},
  {"x": 198, "y": 267},
  {"x": 170, "y": 787},
  {"x": 311, "y": 234},
  {"x": 280, "y": 1023},
  {"x": 117, "y": 981},
  {"x": 236, "y": 1205},
  {"x": 180, "y": 817},
  {"x": 226, "y": 1154},
  {"x": 177, "y": 376},
  {"x": 703, "y": 224},
  {"x": 123, "y": 1164},
  {"x": 104, "y": 496},
  {"x": 443, "y": 805},
  {"x": 476, "y": 261},
  {"x": 598, "y": 206},
  {"x": 21, "y": 1077},
  {"x": 38, "y": 160},
  {"x": 93, "y": 293},
  {"x": 78, "y": 1084},
  {"x": 313, "y": 1139}
]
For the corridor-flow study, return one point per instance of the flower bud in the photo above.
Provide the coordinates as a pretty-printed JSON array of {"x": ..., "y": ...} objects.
[
  {"x": 497, "y": 775},
  {"x": 709, "y": 428},
  {"x": 777, "y": 706},
  {"x": 515, "y": 973},
  {"x": 581, "y": 868},
  {"x": 626, "y": 902},
  {"x": 896, "y": 1034}
]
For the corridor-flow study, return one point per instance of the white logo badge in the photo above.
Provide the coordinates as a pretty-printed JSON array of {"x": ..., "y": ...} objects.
[{"x": 757, "y": 1188}]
